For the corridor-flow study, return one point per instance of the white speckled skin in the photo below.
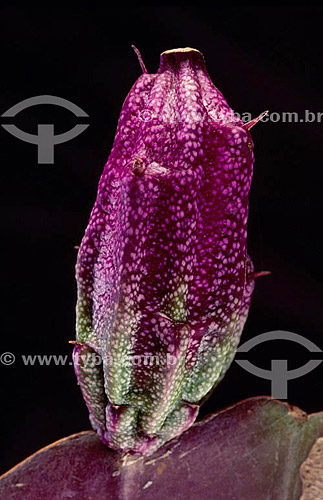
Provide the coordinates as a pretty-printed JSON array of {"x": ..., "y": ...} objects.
[{"x": 163, "y": 269}]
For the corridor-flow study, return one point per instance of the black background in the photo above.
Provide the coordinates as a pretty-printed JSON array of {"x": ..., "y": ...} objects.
[{"x": 260, "y": 58}]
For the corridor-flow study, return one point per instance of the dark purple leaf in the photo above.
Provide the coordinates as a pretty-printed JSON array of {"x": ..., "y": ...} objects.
[{"x": 250, "y": 451}]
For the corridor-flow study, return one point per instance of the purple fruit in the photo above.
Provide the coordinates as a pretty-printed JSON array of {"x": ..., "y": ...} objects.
[{"x": 164, "y": 278}]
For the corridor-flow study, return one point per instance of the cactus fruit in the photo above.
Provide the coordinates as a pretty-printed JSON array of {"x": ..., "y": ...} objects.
[{"x": 164, "y": 278}]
